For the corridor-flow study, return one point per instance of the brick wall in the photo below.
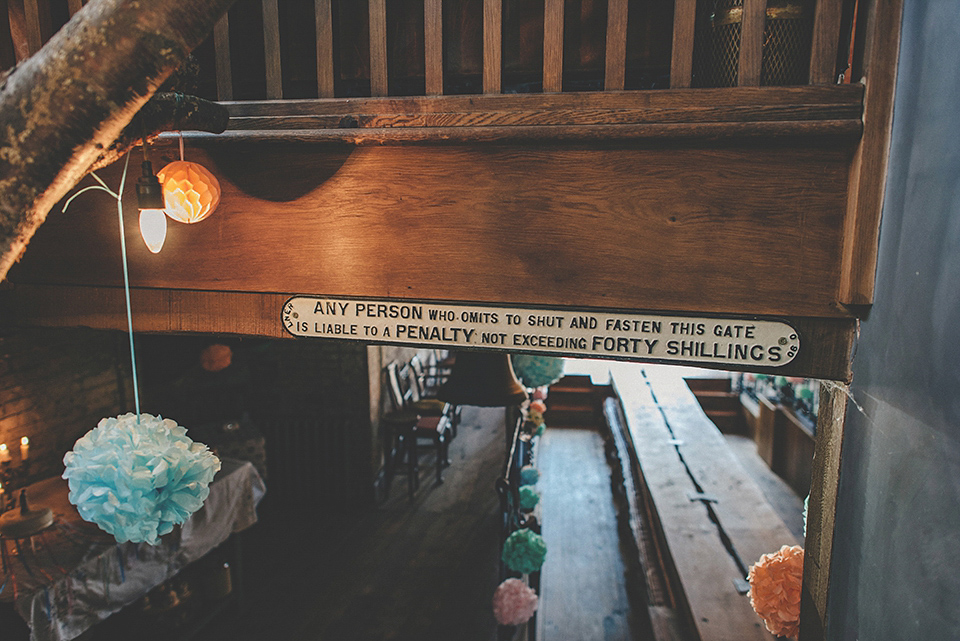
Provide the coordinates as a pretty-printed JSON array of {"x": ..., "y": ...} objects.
[{"x": 55, "y": 385}]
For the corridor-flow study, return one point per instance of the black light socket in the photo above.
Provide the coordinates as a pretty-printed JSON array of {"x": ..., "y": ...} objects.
[{"x": 149, "y": 190}]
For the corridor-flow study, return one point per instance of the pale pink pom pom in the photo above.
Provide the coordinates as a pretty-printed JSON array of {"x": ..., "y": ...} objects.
[{"x": 514, "y": 603}]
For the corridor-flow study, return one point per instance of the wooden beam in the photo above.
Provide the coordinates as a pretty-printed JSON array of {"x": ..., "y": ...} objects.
[
  {"x": 259, "y": 314},
  {"x": 826, "y": 36},
  {"x": 553, "y": 46},
  {"x": 324, "y": 25},
  {"x": 681, "y": 57},
  {"x": 271, "y": 49},
  {"x": 378, "y": 47},
  {"x": 492, "y": 45},
  {"x": 616, "y": 50},
  {"x": 681, "y": 249},
  {"x": 822, "y": 511},
  {"x": 751, "y": 42},
  {"x": 433, "y": 46},
  {"x": 868, "y": 174},
  {"x": 221, "y": 48}
]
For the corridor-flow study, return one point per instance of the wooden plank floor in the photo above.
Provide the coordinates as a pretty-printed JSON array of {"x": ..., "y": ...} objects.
[
  {"x": 404, "y": 571},
  {"x": 584, "y": 580}
]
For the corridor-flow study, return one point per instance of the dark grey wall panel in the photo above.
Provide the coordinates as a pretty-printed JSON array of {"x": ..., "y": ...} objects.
[{"x": 896, "y": 569}]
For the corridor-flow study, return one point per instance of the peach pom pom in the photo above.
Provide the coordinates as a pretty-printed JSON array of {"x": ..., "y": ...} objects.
[
  {"x": 775, "y": 582},
  {"x": 538, "y": 406},
  {"x": 216, "y": 357},
  {"x": 514, "y": 603}
]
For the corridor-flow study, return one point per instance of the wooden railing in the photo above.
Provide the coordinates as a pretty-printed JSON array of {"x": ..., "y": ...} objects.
[{"x": 598, "y": 37}]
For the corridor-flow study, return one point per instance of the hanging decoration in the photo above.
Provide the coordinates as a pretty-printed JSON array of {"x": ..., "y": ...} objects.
[
  {"x": 514, "y": 602},
  {"x": 537, "y": 371},
  {"x": 524, "y": 551},
  {"x": 529, "y": 475},
  {"x": 216, "y": 357},
  {"x": 538, "y": 406},
  {"x": 775, "y": 582},
  {"x": 138, "y": 476},
  {"x": 190, "y": 190},
  {"x": 528, "y": 497}
]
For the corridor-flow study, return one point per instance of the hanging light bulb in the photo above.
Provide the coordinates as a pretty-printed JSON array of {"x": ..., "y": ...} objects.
[
  {"x": 153, "y": 222},
  {"x": 153, "y": 228},
  {"x": 190, "y": 190}
]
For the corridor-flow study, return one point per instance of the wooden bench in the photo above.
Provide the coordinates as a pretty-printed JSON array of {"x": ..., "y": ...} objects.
[{"x": 709, "y": 517}]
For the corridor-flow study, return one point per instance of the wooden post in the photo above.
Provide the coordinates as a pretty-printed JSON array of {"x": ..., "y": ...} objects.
[
  {"x": 221, "y": 49},
  {"x": 324, "y": 22},
  {"x": 553, "y": 46},
  {"x": 822, "y": 511},
  {"x": 378, "y": 47},
  {"x": 751, "y": 42},
  {"x": 616, "y": 54},
  {"x": 826, "y": 35},
  {"x": 681, "y": 63},
  {"x": 271, "y": 49},
  {"x": 433, "y": 46},
  {"x": 492, "y": 45}
]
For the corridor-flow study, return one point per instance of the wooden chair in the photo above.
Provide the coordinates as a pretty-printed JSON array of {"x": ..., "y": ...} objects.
[
  {"x": 424, "y": 400},
  {"x": 406, "y": 425}
]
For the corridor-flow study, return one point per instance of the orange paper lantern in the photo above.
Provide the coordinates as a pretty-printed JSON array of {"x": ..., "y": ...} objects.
[{"x": 191, "y": 192}]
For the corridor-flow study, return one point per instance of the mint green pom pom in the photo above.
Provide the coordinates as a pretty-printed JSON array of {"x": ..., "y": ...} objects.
[
  {"x": 528, "y": 497},
  {"x": 524, "y": 551}
]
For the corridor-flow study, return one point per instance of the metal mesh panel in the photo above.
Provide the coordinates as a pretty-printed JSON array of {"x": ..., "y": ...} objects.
[{"x": 786, "y": 43}]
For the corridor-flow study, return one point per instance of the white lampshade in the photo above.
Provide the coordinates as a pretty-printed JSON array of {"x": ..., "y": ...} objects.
[{"x": 153, "y": 228}]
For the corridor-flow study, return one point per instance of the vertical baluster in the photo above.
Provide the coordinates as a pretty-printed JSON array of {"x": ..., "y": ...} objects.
[
  {"x": 826, "y": 36},
  {"x": 616, "y": 54},
  {"x": 31, "y": 15},
  {"x": 8, "y": 56},
  {"x": 751, "y": 42},
  {"x": 492, "y": 45},
  {"x": 324, "y": 16},
  {"x": 433, "y": 46},
  {"x": 271, "y": 49},
  {"x": 378, "y": 47},
  {"x": 552, "y": 45},
  {"x": 681, "y": 63},
  {"x": 74, "y": 5},
  {"x": 221, "y": 52}
]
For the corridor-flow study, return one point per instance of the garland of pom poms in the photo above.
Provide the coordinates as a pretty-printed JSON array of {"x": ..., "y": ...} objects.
[{"x": 775, "y": 583}]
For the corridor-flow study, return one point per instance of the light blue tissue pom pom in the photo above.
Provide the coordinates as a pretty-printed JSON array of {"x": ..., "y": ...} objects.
[
  {"x": 524, "y": 551},
  {"x": 137, "y": 480},
  {"x": 528, "y": 498},
  {"x": 529, "y": 475},
  {"x": 537, "y": 371}
]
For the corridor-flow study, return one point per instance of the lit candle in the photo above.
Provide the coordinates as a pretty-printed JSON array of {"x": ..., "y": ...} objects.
[
  {"x": 24, "y": 448},
  {"x": 4, "y": 453}
]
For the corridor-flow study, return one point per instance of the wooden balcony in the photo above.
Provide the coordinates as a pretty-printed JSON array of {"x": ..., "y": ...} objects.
[{"x": 565, "y": 154}]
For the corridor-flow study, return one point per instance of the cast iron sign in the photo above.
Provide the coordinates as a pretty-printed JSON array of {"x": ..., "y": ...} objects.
[{"x": 597, "y": 334}]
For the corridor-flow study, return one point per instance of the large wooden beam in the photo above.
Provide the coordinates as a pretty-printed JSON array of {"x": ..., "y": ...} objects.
[{"x": 62, "y": 106}]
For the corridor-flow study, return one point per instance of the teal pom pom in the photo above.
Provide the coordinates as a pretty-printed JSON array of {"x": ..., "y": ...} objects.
[
  {"x": 524, "y": 551},
  {"x": 540, "y": 429},
  {"x": 137, "y": 480},
  {"x": 529, "y": 475},
  {"x": 537, "y": 371},
  {"x": 528, "y": 498}
]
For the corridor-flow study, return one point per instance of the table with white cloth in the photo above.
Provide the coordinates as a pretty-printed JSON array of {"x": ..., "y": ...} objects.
[{"x": 72, "y": 576}]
